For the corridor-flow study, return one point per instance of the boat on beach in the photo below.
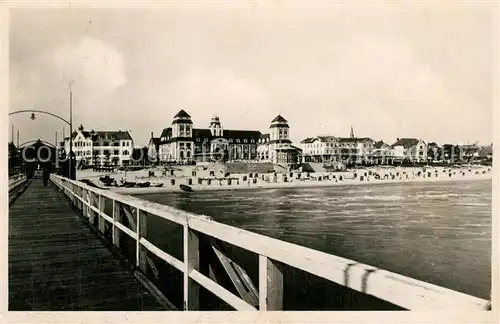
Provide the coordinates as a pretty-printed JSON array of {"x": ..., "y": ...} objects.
[{"x": 185, "y": 188}]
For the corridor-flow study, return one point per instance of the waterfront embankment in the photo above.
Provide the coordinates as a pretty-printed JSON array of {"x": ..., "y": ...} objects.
[{"x": 205, "y": 179}]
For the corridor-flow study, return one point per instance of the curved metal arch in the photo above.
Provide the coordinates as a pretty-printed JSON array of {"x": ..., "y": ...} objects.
[
  {"x": 34, "y": 141},
  {"x": 41, "y": 112}
]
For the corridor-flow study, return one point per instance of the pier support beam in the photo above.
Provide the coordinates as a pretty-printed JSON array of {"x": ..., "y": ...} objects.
[
  {"x": 117, "y": 218},
  {"x": 102, "y": 221},
  {"x": 191, "y": 262},
  {"x": 142, "y": 257},
  {"x": 270, "y": 285}
]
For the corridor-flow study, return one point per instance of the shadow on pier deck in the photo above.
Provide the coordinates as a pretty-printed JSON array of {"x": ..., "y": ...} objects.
[{"x": 57, "y": 262}]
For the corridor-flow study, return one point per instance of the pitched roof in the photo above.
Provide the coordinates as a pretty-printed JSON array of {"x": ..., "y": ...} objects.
[
  {"x": 155, "y": 141},
  {"x": 241, "y": 134},
  {"x": 94, "y": 135},
  {"x": 166, "y": 132},
  {"x": 379, "y": 144},
  {"x": 116, "y": 135},
  {"x": 265, "y": 136},
  {"x": 202, "y": 133},
  {"x": 182, "y": 114},
  {"x": 227, "y": 133},
  {"x": 327, "y": 138},
  {"x": 307, "y": 140},
  {"x": 406, "y": 142},
  {"x": 279, "y": 119}
]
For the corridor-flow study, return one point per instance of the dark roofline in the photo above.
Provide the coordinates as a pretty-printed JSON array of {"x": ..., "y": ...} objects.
[
  {"x": 280, "y": 119},
  {"x": 182, "y": 114}
]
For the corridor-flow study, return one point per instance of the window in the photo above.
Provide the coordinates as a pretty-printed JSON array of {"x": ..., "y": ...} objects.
[
  {"x": 188, "y": 145},
  {"x": 245, "y": 140},
  {"x": 197, "y": 139},
  {"x": 116, "y": 152},
  {"x": 237, "y": 140},
  {"x": 230, "y": 140},
  {"x": 125, "y": 152},
  {"x": 252, "y": 141}
]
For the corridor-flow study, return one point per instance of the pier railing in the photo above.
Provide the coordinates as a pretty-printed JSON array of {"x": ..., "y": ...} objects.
[
  {"x": 272, "y": 253},
  {"x": 16, "y": 180}
]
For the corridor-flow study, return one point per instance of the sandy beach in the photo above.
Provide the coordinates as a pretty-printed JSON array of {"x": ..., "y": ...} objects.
[{"x": 361, "y": 176}]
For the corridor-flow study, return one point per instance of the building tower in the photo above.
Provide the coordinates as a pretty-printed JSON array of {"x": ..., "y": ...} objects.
[
  {"x": 181, "y": 148},
  {"x": 352, "y": 132},
  {"x": 181, "y": 126},
  {"x": 215, "y": 127},
  {"x": 279, "y": 130}
]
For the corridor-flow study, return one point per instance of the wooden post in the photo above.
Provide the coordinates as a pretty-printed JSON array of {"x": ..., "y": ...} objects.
[
  {"x": 92, "y": 200},
  {"x": 270, "y": 285},
  {"x": 102, "y": 221},
  {"x": 116, "y": 219},
  {"x": 88, "y": 198},
  {"x": 142, "y": 261},
  {"x": 191, "y": 261}
]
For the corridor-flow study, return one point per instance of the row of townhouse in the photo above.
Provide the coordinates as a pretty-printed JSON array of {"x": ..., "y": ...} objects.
[
  {"x": 362, "y": 150},
  {"x": 183, "y": 143},
  {"x": 100, "y": 147}
]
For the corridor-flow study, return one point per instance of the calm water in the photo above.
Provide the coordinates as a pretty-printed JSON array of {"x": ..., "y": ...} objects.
[{"x": 435, "y": 232}]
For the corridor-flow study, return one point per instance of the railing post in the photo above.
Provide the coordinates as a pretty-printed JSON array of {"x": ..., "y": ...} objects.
[
  {"x": 85, "y": 197},
  {"x": 101, "y": 220},
  {"x": 141, "y": 253},
  {"x": 116, "y": 219},
  {"x": 270, "y": 285},
  {"x": 191, "y": 262},
  {"x": 91, "y": 201}
]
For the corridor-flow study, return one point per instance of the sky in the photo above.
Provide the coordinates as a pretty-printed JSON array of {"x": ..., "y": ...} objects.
[{"x": 387, "y": 70}]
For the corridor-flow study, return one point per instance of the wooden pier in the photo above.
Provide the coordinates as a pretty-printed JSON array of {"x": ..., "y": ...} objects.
[
  {"x": 55, "y": 248},
  {"x": 56, "y": 261}
]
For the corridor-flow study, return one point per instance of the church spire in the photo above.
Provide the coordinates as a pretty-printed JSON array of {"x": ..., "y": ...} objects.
[{"x": 352, "y": 132}]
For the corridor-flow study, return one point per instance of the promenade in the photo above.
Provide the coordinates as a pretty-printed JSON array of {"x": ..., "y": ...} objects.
[{"x": 57, "y": 262}]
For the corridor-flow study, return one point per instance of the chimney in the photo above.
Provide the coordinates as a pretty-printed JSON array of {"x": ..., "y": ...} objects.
[
  {"x": 151, "y": 134},
  {"x": 397, "y": 139}
]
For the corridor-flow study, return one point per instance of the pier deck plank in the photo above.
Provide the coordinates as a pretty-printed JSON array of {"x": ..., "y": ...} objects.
[{"x": 56, "y": 262}]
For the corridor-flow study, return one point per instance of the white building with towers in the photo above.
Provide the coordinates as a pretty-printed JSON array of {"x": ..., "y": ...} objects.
[
  {"x": 181, "y": 143},
  {"x": 276, "y": 146}
]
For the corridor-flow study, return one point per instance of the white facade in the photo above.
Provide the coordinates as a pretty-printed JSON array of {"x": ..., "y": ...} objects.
[
  {"x": 99, "y": 148},
  {"x": 82, "y": 147},
  {"x": 276, "y": 147},
  {"x": 413, "y": 150}
]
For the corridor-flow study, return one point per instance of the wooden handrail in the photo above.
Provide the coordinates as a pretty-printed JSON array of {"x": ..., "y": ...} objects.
[
  {"x": 16, "y": 180},
  {"x": 397, "y": 289}
]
